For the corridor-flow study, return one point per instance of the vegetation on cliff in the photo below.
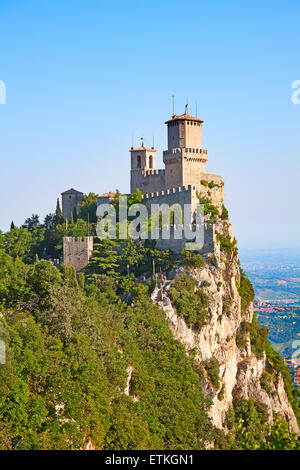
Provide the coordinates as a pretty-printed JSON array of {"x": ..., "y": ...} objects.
[
  {"x": 190, "y": 303},
  {"x": 68, "y": 349},
  {"x": 70, "y": 340}
]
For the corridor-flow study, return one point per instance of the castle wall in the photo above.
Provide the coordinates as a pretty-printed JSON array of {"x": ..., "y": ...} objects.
[
  {"x": 173, "y": 171},
  {"x": 147, "y": 180},
  {"x": 177, "y": 245},
  {"x": 77, "y": 252},
  {"x": 193, "y": 167},
  {"x": 182, "y": 196},
  {"x": 179, "y": 195}
]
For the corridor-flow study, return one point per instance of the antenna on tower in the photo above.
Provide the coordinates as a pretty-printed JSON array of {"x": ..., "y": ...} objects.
[
  {"x": 153, "y": 139},
  {"x": 173, "y": 102}
]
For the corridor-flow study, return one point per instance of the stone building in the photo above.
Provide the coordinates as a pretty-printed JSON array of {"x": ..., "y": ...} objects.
[
  {"x": 181, "y": 181},
  {"x": 77, "y": 251},
  {"x": 184, "y": 159},
  {"x": 70, "y": 201}
]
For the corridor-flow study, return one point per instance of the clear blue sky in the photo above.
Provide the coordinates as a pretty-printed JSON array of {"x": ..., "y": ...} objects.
[{"x": 83, "y": 76}]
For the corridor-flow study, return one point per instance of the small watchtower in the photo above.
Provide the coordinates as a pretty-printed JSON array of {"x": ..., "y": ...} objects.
[
  {"x": 70, "y": 201},
  {"x": 77, "y": 251}
]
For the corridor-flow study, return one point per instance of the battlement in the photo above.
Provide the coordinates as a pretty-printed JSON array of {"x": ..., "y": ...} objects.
[
  {"x": 147, "y": 173},
  {"x": 178, "y": 240},
  {"x": 178, "y": 189},
  {"x": 78, "y": 240},
  {"x": 144, "y": 179},
  {"x": 179, "y": 151}
]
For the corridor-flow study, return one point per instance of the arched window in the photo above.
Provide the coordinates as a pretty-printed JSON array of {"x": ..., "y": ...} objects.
[
  {"x": 150, "y": 161},
  {"x": 138, "y": 162}
]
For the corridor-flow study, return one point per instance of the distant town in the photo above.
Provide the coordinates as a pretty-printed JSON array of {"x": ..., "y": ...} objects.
[{"x": 275, "y": 276}]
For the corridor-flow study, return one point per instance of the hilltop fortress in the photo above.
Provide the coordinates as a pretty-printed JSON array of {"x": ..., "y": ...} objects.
[
  {"x": 184, "y": 160},
  {"x": 182, "y": 181}
]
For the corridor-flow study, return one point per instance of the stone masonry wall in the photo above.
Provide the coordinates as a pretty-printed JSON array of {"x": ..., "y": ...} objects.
[
  {"x": 147, "y": 180},
  {"x": 77, "y": 252},
  {"x": 177, "y": 245}
]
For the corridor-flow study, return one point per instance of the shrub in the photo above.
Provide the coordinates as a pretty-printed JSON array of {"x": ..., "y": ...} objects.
[
  {"x": 205, "y": 283},
  {"x": 250, "y": 422},
  {"x": 226, "y": 244},
  {"x": 224, "y": 214},
  {"x": 246, "y": 291},
  {"x": 212, "y": 260},
  {"x": 265, "y": 380},
  {"x": 190, "y": 304},
  {"x": 277, "y": 363},
  {"x": 258, "y": 338},
  {"x": 226, "y": 308},
  {"x": 241, "y": 335},
  {"x": 190, "y": 258},
  {"x": 221, "y": 393},
  {"x": 212, "y": 369},
  {"x": 209, "y": 208}
]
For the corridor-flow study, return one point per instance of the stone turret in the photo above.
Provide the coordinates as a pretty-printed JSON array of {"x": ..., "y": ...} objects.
[
  {"x": 77, "y": 252},
  {"x": 70, "y": 201},
  {"x": 185, "y": 159}
]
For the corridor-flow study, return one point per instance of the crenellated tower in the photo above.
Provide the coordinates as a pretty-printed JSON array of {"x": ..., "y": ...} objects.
[{"x": 185, "y": 158}]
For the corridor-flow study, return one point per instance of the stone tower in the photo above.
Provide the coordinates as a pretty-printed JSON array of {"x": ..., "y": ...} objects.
[
  {"x": 70, "y": 201},
  {"x": 185, "y": 159},
  {"x": 143, "y": 164},
  {"x": 77, "y": 252}
]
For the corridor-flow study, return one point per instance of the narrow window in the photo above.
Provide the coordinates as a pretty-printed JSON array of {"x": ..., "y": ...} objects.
[
  {"x": 139, "y": 163},
  {"x": 150, "y": 161}
]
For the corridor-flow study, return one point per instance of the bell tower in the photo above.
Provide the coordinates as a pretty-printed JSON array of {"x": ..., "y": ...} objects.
[{"x": 143, "y": 159}]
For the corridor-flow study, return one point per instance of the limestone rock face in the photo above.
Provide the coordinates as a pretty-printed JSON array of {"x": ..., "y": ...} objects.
[{"x": 239, "y": 369}]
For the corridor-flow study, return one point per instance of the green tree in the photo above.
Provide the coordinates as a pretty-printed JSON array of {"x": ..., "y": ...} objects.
[
  {"x": 88, "y": 207},
  {"x": 104, "y": 259},
  {"x": 31, "y": 223},
  {"x": 58, "y": 213},
  {"x": 17, "y": 242}
]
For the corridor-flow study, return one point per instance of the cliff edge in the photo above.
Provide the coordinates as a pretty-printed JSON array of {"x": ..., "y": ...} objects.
[{"x": 227, "y": 341}]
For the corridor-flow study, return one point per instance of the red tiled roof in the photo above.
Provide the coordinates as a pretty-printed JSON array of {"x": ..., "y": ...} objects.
[
  {"x": 183, "y": 117},
  {"x": 110, "y": 195},
  {"x": 140, "y": 149}
]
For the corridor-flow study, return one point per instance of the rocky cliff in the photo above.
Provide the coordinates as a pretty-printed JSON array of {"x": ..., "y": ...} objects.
[{"x": 225, "y": 336}]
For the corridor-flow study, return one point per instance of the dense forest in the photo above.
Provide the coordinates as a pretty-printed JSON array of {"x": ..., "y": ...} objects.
[{"x": 90, "y": 358}]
